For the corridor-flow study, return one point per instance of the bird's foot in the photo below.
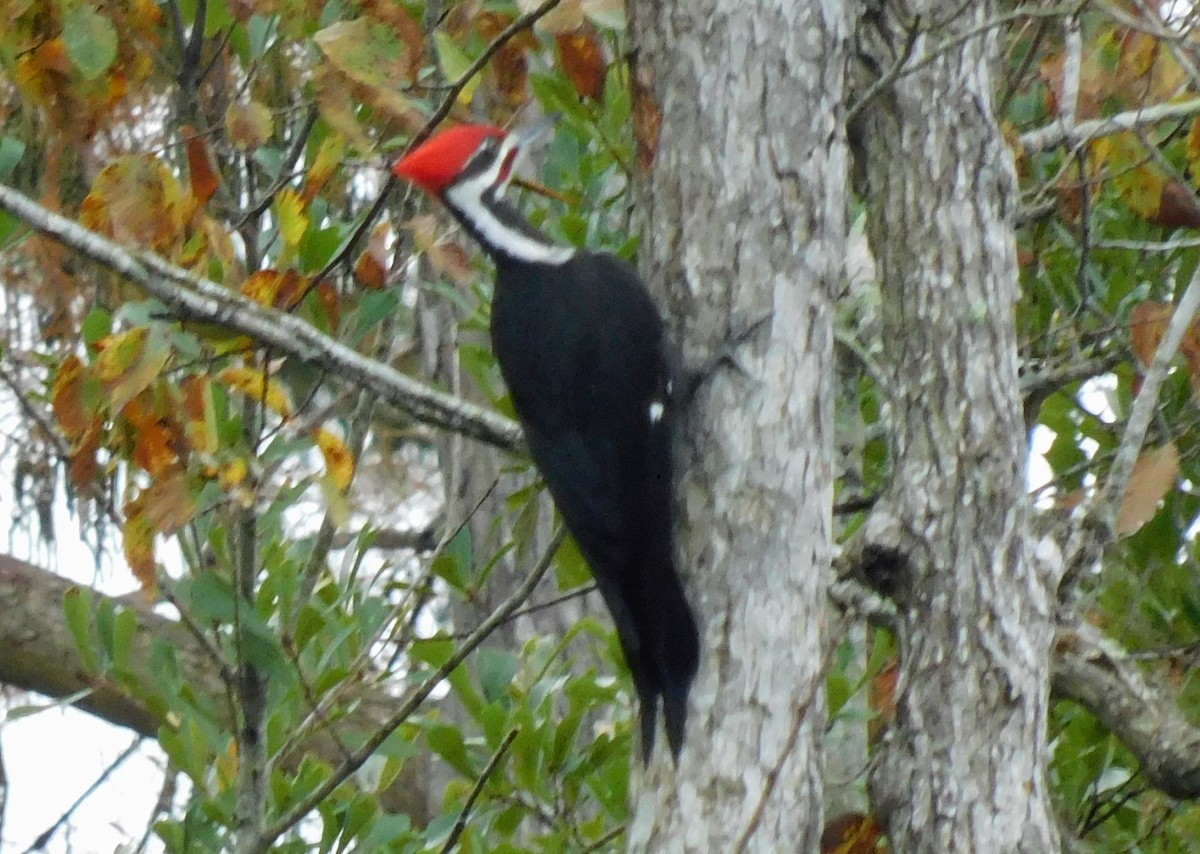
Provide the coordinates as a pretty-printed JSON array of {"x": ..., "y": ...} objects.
[{"x": 726, "y": 355}]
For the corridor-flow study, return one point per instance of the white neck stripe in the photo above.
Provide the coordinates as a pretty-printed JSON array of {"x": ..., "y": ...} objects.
[{"x": 466, "y": 197}]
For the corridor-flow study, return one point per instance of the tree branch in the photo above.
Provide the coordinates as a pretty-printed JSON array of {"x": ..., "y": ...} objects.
[
  {"x": 1056, "y": 133},
  {"x": 192, "y": 298}
]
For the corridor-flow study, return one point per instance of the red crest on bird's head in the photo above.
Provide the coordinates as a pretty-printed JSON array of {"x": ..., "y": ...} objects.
[{"x": 436, "y": 163}]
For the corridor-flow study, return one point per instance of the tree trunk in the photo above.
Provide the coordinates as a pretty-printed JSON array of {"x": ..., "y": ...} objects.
[
  {"x": 963, "y": 767},
  {"x": 743, "y": 216}
]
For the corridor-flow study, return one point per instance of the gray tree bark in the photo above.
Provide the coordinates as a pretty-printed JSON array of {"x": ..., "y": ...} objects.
[
  {"x": 963, "y": 767},
  {"x": 743, "y": 215}
]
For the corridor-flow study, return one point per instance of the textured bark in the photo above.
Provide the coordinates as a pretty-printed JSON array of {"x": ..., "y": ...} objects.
[
  {"x": 743, "y": 215},
  {"x": 38, "y": 653},
  {"x": 963, "y": 765}
]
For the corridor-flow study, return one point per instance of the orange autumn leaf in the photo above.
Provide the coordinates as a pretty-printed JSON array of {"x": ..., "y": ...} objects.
[
  {"x": 275, "y": 288},
  {"x": 66, "y": 398},
  {"x": 1154, "y": 474},
  {"x": 581, "y": 56},
  {"x": 202, "y": 171},
  {"x": 153, "y": 436}
]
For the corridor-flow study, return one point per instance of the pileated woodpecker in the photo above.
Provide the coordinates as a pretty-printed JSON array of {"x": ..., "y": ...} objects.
[{"x": 580, "y": 345}]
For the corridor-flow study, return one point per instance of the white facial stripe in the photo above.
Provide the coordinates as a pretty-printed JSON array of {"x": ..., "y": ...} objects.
[{"x": 467, "y": 198}]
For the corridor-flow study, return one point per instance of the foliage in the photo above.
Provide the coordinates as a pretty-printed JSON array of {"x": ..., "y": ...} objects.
[{"x": 246, "y": 142}]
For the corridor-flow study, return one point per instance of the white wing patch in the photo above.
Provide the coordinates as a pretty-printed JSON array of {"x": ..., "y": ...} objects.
[{"x": 656, "y": 411}]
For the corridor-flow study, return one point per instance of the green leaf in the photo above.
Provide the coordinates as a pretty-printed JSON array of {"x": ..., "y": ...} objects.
[
  {"x": 124, "y": 629},
  {"x": 91, "y": 41},
  {"x": 448, "y": 743},
  {"x": 496, "y": 668},
  {"x": 11, "y": 151},
  {"x": 77, "y": 606},
  {"x": 455, "y": 64}
]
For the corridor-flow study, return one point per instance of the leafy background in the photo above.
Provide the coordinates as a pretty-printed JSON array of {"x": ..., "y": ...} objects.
[{"x": 247, "y": 142}]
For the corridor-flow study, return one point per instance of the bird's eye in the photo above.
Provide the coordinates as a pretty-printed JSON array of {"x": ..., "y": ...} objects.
[{"x": 489, "y": 145}]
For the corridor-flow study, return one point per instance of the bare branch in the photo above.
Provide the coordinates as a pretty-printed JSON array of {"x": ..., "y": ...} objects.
[
  {"x": 189, "y": 297},
  {"x": 1056, "y": 133}
]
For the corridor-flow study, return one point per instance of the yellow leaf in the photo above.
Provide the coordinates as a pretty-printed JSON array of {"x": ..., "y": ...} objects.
[
  {"x": 129, "y": 362},
  {"x": 329, "y": 157},
  {"x": 339, "y": 462},
  {"x": 253, "y": 384},
  {"x": 137, "y": 537},
  {"x": 233, "y": 473},
  {"x": 293, "y": 219}
]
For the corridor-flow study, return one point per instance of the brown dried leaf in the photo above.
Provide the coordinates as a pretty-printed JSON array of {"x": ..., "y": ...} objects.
[
  {"x": 170, "y": 502},
  {"x": 1153, "y": 476},
  {"x": 372, "y": 265},
  {"x": 1176, "y": 207},
  {"x": 66, "y": 398},
  {"x": 153, "y": 435},
  {"x": 202, "y": 171},
  {"x": 581, "y": 56},
  {"x": 647, "y": 118},
  {"x": 1147, "y": 326}
]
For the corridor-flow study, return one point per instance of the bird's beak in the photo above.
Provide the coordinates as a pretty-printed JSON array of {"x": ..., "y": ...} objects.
[
  {"x": 526, "y": 136},
  {"x": 519, "y": 142}
]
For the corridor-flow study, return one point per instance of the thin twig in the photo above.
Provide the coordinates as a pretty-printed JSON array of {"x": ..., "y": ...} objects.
[
  {"x": 43, "y": 839},
  {"x": 460, "y": 824}
]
